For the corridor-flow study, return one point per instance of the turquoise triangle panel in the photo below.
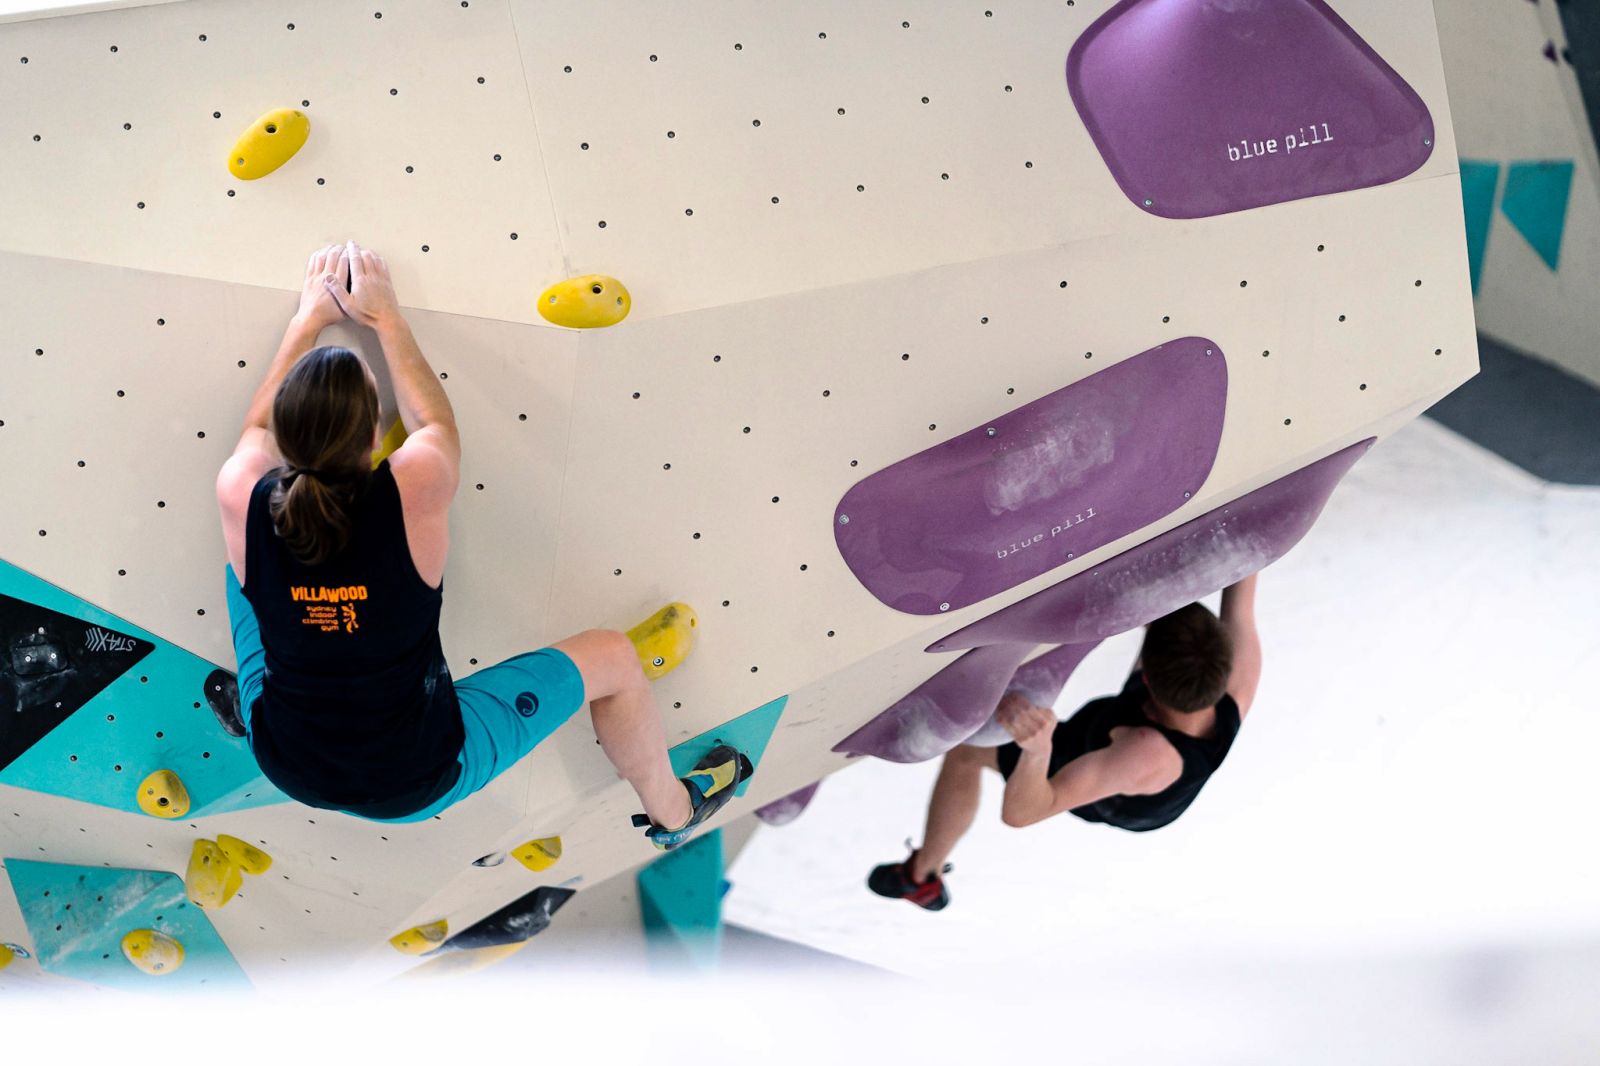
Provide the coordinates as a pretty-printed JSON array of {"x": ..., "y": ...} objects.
[
  {"x": 1479, "y": 181},
  {"x": 680, "y": 895},
  {"x": 749, "y": 733},
  {"x": 152, "y": 714},
  {"x": 78, "y": 915},
  {"x": 1535, "y": 201}
]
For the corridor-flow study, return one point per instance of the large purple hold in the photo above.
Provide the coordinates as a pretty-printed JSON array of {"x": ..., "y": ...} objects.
[
  {"x": 1040, "y": 682},
  {"x": 1022, "y": 494},
  {"x": 1170, "y": 570},
  {"x": 1202, "y": 107},
  {"x": 786, "y": 809}
]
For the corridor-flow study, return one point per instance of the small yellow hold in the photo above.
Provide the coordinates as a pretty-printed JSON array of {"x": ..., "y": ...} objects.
[
  {"x": 269, "y": 143},
  {"x": 152, "y": 951},
  {"x": 391, "y": 441},
  {"x": 248, "y": 857},
  {"x": 422, "y": 938},
  {"x": 586, "y": 302},
  {"x": 162, "y": 794},
  {"x": 539, "y": 854},
  {"x": 665, "y": 639},
  {"x": 6, "y": 955},
  {"x": 213, "y": 878}
]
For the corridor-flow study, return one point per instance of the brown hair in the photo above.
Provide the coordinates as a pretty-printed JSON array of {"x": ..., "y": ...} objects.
[
  {"x": 1186, "y": 659},
  {"x": 323, "y": 419}
]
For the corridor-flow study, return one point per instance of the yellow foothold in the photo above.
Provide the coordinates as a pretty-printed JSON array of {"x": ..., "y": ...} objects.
[
  {"x": 6, "y": 955},
  {"x": 212, "y": 878},
  {"x": 163, "y": 795},
  {"x": 665, "y": 639},
  {"x": 586, "y": 302},
  {"x": 422, "y": 938},
  {"x": 391, "y": 441},
  {"x": 539, "y": 854},
  {"x": 248, "y": 857},
  {"x": 269, "y": 143},
  {"x": 152, "y": 951}
]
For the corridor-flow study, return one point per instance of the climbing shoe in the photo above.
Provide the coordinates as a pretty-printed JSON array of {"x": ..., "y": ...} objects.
[
  {"x": 710, "y": 785},
  {"x": 893, "y": 880}
]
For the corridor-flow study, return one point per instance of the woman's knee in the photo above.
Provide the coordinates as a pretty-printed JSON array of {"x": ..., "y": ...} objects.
[{"x": 607, "y": 660}]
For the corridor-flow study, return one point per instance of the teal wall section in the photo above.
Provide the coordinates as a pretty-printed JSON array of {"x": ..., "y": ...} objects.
[
  {"x": 1535, "y": 201},
  {"x": 1479, "y": 182},
  {"x": 153, "y": 717},
  {"x": 680, "y": 899},
  {"x": 748, "y": 733},
  {"x": 78, "y": 915}
]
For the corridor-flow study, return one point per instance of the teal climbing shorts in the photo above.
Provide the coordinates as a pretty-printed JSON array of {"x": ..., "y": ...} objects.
[{"x": 507, "y": 709}]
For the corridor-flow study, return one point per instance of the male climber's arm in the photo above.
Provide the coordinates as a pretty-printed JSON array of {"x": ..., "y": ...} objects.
[
  {"x": 1028, "y": 787},
  {"x": 1137, "y": 762},
  {"x": 1239, "y": 615}
]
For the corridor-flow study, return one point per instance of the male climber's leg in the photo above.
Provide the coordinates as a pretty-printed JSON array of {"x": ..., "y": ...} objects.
[
  {"x": 950, "y": 814},
  {"x": 628, "y": 722},
  {"x": 953, "y": 807}
]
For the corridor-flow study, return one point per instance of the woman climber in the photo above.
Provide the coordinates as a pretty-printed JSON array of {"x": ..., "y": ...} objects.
[{"x": 335, "y": 581}]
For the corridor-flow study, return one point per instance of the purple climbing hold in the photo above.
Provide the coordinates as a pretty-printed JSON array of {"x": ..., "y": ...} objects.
[
  {"x": 1202, "y": 107},
  {"x": 1170, "y": 570},
  {"x": 1022, "y": 494},
  {"x": 941, "y": 712},
  {"x": 1040, "y": 682},
  {"x": 788, "y": 808}
]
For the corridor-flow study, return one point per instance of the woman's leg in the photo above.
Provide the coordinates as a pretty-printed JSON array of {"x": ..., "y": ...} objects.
[
  {"x": 628, "y": 722},
  {"x": 952, "y": 808}
]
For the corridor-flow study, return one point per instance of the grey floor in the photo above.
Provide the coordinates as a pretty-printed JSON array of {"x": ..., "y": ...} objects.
[{"x": 1530, "y": 413}]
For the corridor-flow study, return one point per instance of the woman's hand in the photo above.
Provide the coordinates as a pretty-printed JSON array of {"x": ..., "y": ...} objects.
[
  {"x": 371, "y": 300},
  {"x": 327, "y": 268}
]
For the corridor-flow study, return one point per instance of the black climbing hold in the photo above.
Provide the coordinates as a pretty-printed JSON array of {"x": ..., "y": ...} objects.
[{"x": 222, "y": 693}]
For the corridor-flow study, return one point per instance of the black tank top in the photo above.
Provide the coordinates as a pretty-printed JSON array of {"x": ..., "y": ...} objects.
[
  {"x": 1090, "y": 729},
  {"x": 357, "y": 711}
]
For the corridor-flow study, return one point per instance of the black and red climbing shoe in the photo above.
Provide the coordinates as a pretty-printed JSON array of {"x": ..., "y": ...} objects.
[
  {"x": 893, "y": 880},
  {"x": 710, "y": 786}
]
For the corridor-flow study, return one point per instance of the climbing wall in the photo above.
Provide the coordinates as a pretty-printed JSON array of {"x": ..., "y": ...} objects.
[
  {"x": 857, "y": 243},
  {"x": 1529, "y": 175}
]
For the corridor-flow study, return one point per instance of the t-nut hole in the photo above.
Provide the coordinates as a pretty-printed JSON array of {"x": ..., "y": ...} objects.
[
  {"x": 241, "y": 161},
  {"x": 271, "y": 128},
  {"x": 163, "y": 801},
  {"x": 597, "y": 290}
]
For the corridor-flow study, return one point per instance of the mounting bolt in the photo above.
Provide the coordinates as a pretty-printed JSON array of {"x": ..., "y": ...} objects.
[
  {"x": 844, "y": 520},
  {"x": 990, "y": 431},
  {"x": 659, "y": 661},
  {"x": 1069, "y": 555},
  {"x": 944, "y": 607},
  {"x": 1149, "y": 203},
  {"x": 1186, "y": 495}
]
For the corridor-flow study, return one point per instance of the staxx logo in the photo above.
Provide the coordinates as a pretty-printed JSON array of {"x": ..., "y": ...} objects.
[{"x": 527, "y": 704}]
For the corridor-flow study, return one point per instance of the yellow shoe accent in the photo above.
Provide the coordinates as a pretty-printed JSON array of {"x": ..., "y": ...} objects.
[
  {"x": 268, "y": 144},
  {"x": 6, "y": 955},
  {"x": 422, "y": 938},
  {"x": 722, "y": 776},
  {"x": 665, "y": 639},
  {"x": 163, "y": 795},
  {"x": 213, "y": 878},
  {"x": 391, "y": 441},
  {"x": 539, "y": 854},
  {"x": 247, "y": 857},
  {"x": 154, "y": 952},
  {"x": 586, "y": 302}
]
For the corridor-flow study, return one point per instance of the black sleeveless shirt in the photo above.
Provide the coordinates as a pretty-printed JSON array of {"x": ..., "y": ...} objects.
[
  {"x": 357, "y": 710},
  {"x": 1090, "y": 730}
]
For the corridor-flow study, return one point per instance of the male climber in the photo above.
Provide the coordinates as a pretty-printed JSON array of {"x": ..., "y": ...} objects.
[
  {"x": 335, "y": 582},
  {"x": 1135, "y": 760}
]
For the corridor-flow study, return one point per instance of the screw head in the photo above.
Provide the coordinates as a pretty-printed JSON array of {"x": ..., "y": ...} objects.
[
  {"x": 844, "y": 520},
  {"x": 1149, "y": 203},
  {"x": 944, "y": 607},
  {"x": 659, "y": 661},
  {"x": 990, "y": 431}
]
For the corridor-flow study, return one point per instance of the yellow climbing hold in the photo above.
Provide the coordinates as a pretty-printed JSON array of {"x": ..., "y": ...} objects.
[
  {"x": 213, "y": 878},
  {"x": 539, "y": 854},
  {"x": 269, "y": 143},
  {"x": 6, "y": 955},
  {"x": 391, "y": 440},
  {"x": 248, "y": 857},
  {"x": 665, "y": 639},
  {"x": 422, "y": 938},
  {"x": 163, "y": 795},
  {"x": 152, "y": 951},
  {"x": 586, "y": 302}
]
